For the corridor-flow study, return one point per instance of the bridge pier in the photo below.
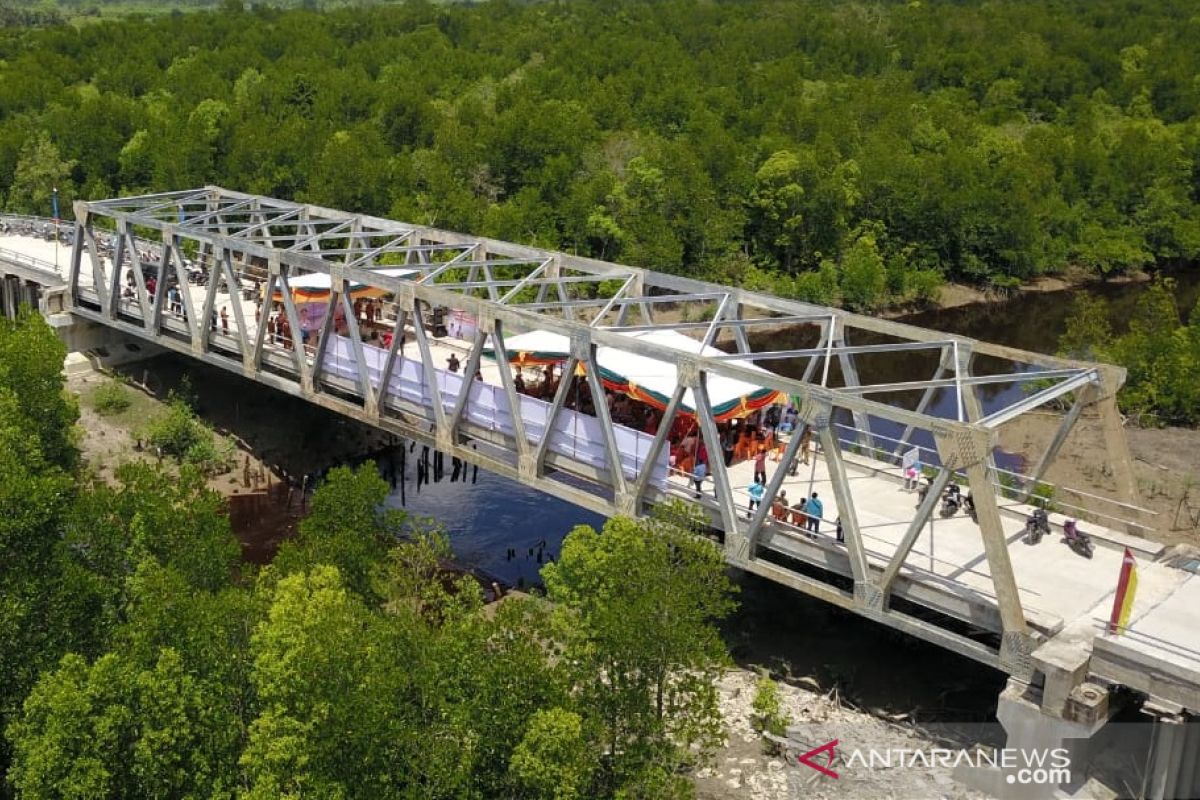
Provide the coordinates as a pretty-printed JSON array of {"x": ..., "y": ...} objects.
[
  {"x": 8, "y": 297},
  {"x": 1034, "y": 731},
  {"x": 17, "y": 291},
  {"x": 100, "y": 344},
  {"x": 1174, "y": 759}
]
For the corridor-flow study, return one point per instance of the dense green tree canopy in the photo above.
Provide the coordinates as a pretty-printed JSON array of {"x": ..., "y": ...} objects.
[
  {"x": 744, "y": 141},
  {"x": 1160, "y": 350}
]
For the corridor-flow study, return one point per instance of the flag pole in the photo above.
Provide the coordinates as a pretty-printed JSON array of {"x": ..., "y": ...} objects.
[{"x": 1118, "y": 620}]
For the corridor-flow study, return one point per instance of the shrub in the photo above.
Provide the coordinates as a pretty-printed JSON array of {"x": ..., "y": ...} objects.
[
  {"x": 110, "y": 398},
  {"x": 179, "y": 434},
  {"x": 864, "y": 280},
  {"x": 767, "y": 706},
  {"x": 924, "y": 285},
  {"x": 209, "y": 456},
  {"x": 175, "y": 431},
  {"x": 1043, "y": 495},
  {"x": 819, "y": 287}
]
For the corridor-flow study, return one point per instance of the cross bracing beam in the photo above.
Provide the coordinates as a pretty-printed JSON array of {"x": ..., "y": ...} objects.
[
  {"x": 724, "y": 323},
  {"x": 974, "y": 380},
  {"x": 769, "y": 355},
  {"x": 397, "y": 245},
  {"x": 1038, "y": 399},
  {"x": 202, "y": 220},
  {"x": 149, "y": 203}
]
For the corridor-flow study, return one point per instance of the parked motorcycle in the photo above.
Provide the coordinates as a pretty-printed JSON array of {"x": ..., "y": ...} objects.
[
  {"x": 1076, "y": 539},
  {"x": 952, "y": 500},
  {"x": 1037, "y": 525}
]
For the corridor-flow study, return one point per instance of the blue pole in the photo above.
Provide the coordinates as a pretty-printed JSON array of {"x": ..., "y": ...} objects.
[{"x": 54, "y": 204}]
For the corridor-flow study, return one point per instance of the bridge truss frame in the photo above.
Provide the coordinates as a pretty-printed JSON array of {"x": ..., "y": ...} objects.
[{"x": 510, "y": 288}]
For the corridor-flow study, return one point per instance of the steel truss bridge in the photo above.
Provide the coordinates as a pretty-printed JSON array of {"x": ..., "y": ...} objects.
[{"x": 510, "y": 289}]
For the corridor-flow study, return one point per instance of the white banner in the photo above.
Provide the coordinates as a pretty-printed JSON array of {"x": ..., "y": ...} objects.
[{"x": 575, "y": 435}]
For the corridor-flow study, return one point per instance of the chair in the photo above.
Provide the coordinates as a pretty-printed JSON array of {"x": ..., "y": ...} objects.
[{"x": 742, "y": 450}]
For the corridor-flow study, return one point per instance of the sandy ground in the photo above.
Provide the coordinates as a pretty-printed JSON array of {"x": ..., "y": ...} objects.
[
  {"x": 1165, "y": 461},
  {"x": 746, "y": 769}
]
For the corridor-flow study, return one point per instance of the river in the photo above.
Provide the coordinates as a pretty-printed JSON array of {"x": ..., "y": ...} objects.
[{"x": 869, "y": 664}]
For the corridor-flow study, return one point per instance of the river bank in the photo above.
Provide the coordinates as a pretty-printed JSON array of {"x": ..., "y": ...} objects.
[
  {"x": 957, "y": 295},
  {"x": 1165, "y": 467}
]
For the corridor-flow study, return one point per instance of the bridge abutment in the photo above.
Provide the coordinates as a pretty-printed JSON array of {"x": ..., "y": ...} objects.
[
  {"x": 1037, "y": 734},
  {"x": 101, "y": 345}
]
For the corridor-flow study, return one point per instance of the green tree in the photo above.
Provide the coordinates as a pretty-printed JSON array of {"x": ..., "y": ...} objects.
[
  {"x": 864, "y": 279},
  {"x": 347, "y": 527},
  {"x": 1088, "y": 333},
  {"x": 553, "y": 759},
  {"x": 113, "y": 730},
  {"x": 333, "y": 680},
  {"x": 40, "y": 170},
  {"x": 638, "y": 606},
  {"x": 44, "y": 609},
  {"x": 778, "y": 205},
  {"x": 31, "y": 358}
]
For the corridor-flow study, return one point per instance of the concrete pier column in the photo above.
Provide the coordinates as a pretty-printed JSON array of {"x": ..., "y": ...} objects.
[
  {"x": 1188, "y": 784},
  {"x": 8, "y": 296},
  {"x": 1166, "y": 750},
  {"x": 1033, "y": 728}
]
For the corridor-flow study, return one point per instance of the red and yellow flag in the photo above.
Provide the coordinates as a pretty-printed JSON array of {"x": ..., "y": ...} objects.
[{"x": 1123, "y": 599}]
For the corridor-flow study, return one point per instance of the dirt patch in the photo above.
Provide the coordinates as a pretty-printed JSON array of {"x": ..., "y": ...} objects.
[{"x": 1165, "y": 465}]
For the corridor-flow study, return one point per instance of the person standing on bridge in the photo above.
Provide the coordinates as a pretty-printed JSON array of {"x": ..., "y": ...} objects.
[
  {"x": 756, "y": 492},
  {"x": 805, "y": 443},
  {"x": 225, "y": 320},
  {"x": 452, "y": 363},
  {"x": 760, "y": 465},
  {"x": 815, "y": 510},
  {"x": 699, "y": 473}
]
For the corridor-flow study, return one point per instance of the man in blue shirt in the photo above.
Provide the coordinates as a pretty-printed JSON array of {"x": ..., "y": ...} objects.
[
  {"x": 815, "y": 510},
  {"x": 756, "y": 492}
]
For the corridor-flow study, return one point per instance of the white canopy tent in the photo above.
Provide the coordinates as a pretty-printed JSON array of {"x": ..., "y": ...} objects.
[
  {"x": 320, "y": 281},
  {"x": 647, "y": 379}
]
